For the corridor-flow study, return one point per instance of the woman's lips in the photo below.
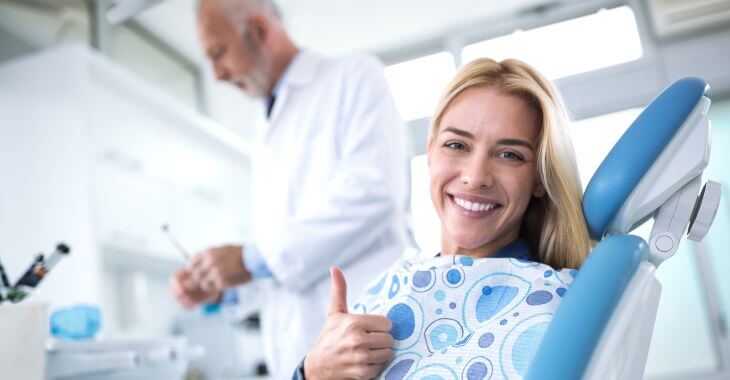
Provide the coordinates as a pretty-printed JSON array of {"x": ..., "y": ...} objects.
[{"x": 474, "y": 207}]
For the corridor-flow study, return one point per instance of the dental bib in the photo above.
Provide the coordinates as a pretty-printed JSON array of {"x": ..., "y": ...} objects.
[{"x": 455, "y": 317}]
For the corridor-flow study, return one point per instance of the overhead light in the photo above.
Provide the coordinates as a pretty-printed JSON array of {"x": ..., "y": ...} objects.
[{"x": 126, "y": 9}]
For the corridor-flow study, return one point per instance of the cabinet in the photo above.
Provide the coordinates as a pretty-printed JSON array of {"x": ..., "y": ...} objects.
[
  {"x": 154, "y": 165},
  {"x": 94, "y": 156}
]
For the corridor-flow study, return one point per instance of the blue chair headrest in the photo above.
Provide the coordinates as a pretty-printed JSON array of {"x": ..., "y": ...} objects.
[{"x": 636, "y": 151}]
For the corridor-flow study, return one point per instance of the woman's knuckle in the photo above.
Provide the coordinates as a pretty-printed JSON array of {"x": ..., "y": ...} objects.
[
  {"x": 352, "y": 325},
  {"x": 354, "y": 341},
  {"x": 361, "y": 372},
  {"x": 357, "y": 322}
]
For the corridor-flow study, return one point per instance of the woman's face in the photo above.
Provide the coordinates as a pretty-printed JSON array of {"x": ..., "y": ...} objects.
[{"x": 483, "y": 173}]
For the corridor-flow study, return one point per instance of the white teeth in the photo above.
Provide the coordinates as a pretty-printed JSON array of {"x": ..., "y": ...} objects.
[{"x": 473, "y": 206}]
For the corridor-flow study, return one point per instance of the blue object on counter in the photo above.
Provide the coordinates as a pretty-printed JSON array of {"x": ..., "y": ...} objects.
[
  {"x": 211, "y": 308},
  {"x": 76, "y": 323}
]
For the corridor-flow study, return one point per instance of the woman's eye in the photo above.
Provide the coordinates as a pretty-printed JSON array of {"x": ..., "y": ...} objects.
[
  {"x": 511, "y": 156},
  {"x": 455, "y": 145}
]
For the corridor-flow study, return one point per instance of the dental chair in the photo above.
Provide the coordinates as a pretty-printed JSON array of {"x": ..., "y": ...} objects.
[{"x": 603, "y": 328}]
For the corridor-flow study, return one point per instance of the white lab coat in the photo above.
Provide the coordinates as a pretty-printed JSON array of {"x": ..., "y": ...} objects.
[{"x": 330, "y": 187}]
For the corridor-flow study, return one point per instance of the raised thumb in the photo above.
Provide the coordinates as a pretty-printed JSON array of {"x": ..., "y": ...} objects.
[{"x": 339, "y": 292}]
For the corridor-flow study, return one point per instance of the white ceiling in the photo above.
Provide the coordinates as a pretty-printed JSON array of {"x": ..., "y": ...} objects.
[{"x": 336, "y": 26}]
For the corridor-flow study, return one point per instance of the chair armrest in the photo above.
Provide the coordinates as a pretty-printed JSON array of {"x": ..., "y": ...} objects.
[{"x": 577, "y": 326}]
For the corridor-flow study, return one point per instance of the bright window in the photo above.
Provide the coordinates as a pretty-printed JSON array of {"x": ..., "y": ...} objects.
[
  {"x": 417, "y": 84},
  {"x": 567, "y": 48},
  {"x": 594, "y": 137}
]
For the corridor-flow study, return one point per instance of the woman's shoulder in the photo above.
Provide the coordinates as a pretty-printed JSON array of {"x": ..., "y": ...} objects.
[
  {"x": 415, "y": 260},
  {"x": 533, "y": 268},
  {"x": 416, "y": 265}
]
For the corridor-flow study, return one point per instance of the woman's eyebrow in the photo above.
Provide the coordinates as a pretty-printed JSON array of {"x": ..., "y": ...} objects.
[
  {"x": 459, "y": 132},
  {"x": 517, "y": 142}
]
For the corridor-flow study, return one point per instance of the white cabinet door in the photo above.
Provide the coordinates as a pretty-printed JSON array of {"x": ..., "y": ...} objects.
[
  {"x": 154, "y": 166},
  {"x": 130, "y": 209},
  {"x": 208, "y": 205}
]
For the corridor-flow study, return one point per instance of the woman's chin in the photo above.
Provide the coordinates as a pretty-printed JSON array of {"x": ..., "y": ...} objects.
[{"x": 467, "y": 241}]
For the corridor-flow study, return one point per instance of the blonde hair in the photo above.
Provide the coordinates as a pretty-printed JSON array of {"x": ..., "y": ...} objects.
[{"x": 553, "y": 224}]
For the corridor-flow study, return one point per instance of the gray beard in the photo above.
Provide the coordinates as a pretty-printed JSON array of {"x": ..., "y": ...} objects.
[{"x": 255, "y": 84}]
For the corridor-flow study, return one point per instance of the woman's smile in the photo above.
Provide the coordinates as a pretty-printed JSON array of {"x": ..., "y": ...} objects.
[{"x": 474, "y": 206}]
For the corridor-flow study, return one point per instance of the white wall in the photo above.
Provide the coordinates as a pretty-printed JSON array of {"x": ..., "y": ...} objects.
[
  {"x": 45, "y": 189},
  {"x": 94, "y": 156}
]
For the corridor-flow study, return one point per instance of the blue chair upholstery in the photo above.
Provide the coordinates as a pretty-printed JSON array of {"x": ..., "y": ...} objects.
[
  {"x": 639, "y": 147},
  {"x": 577, "y": 326},
  {"x": 578, "y": 323}
]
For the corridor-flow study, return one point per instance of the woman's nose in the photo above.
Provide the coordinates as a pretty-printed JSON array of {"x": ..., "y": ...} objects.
[{"x": 477, "y": 173}]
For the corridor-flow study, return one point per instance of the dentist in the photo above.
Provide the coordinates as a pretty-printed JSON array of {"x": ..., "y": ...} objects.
[{"x": 329, "y": 175}]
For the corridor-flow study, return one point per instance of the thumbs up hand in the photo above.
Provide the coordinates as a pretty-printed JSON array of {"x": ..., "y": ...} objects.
[{"x": 349, "y": 346}]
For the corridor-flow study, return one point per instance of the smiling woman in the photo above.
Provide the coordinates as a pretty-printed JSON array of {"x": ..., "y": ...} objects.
[
  {"x": 505, "y": 186},
  {"x": 499, "y": 137},
  {"x": 483, "y": 170}
]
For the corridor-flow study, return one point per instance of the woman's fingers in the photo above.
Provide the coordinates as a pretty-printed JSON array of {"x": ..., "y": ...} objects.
[
  {"x": 380, "y": 356},
  {"x": 373, "y": 371},
  {"x": 377, "y": 323},
  {"x": 378, "y": 340}
]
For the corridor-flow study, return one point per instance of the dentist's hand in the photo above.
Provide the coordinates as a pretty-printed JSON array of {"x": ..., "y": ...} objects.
[
  {"x": 350, "y": 346},
  {"x": 218, "y": 269},
  {"x": 187, "y": 292},
  {"x": 206, "y": 276}
]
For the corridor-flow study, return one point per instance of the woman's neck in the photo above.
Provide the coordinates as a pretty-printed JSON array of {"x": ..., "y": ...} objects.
[{"x": 450, "y": 247}]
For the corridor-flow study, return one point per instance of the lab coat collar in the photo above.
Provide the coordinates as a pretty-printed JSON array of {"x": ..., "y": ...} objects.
[{"x": 300, "y": 71}]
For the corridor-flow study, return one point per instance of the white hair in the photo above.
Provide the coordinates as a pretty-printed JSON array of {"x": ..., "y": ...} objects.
[{"x": 238, "y": 10}]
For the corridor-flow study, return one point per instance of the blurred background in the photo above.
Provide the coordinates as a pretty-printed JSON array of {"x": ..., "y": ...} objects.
[{"x": 109, "y": 131}]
